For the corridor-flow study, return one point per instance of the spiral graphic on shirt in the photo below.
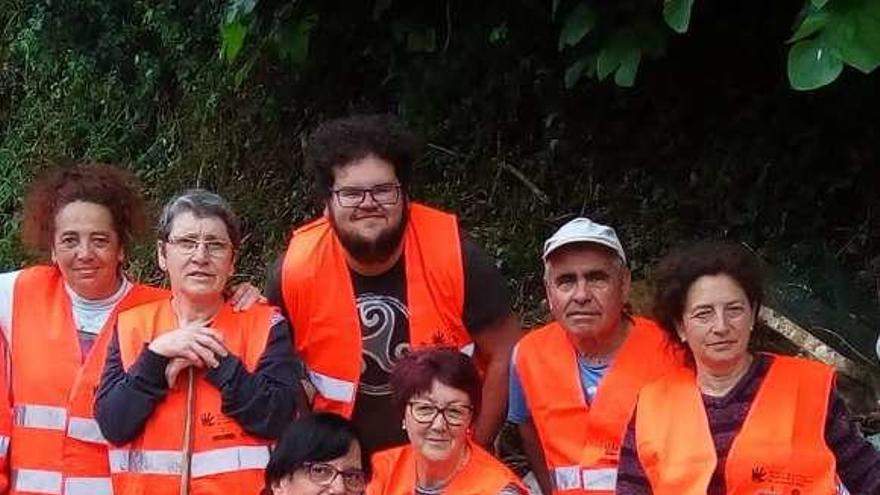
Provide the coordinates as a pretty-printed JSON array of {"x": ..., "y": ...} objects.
[{"x": 381, "y": 316}]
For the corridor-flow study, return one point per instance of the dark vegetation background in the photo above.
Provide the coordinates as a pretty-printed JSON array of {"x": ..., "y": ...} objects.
[{"x": 710, "y": 140}]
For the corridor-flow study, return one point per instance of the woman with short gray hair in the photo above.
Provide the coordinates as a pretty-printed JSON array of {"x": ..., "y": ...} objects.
[{"x": 209, "y": 431}]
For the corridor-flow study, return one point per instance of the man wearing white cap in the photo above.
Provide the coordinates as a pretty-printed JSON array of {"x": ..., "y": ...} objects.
[{"x": 574, "y": 382}]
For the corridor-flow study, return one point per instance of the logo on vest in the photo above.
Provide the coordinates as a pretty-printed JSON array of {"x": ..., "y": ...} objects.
[
  {"x": 759, "y": 474},
  {"x": 207, "y": 419},
  {"x": 789, "y": 481}
]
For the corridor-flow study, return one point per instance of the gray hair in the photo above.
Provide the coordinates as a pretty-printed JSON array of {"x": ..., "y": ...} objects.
[{"x": 202, "y": 204}]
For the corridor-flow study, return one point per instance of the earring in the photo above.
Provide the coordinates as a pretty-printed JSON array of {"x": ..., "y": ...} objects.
[
  {"x": 684, "y": 338},
  {"x": 403, "y": 425}
]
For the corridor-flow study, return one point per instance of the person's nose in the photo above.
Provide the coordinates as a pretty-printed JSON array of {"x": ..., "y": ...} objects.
[
  {"x": 201, "y": 254},
  {"x": 721, "y": 324},
  {"x": 84, "y": 251},
  {"x": 582, "y": 293}
]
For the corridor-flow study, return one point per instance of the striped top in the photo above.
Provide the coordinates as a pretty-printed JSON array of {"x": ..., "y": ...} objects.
[{"x": 858, "y": 463}]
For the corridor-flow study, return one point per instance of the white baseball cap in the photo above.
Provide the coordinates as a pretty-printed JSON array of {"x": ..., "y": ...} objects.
[{"x": 584, "y": 230}]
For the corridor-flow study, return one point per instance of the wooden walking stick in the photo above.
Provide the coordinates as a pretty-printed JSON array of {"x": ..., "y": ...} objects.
[{"x": 187, "y": 431}]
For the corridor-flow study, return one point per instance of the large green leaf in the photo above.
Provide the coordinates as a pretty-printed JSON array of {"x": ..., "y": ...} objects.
[
  {"x": 818, "y": 3},
  {"x": 574, "y": 72},
  {"x": 232, "y": 39},
  {"x": 578, "y": 23},
  {"x": 812, "y": 64},
  {"x": 677, "y": 14},
  {"x": 855, "y": 34}
]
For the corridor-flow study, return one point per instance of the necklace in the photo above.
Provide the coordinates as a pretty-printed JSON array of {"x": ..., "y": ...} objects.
[{"x": 439, "y": 486}]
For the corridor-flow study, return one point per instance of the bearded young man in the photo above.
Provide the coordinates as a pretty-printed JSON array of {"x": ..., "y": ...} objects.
[{"x": 378, "y": 274}]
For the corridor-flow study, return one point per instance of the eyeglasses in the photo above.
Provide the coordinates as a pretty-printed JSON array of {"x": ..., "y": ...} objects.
[
  {"x": 352, "y": 197},
  {"x": 455, "y": 414},
  {"x": 324, "y": 474},
  {"x": 187, "y": 246}
]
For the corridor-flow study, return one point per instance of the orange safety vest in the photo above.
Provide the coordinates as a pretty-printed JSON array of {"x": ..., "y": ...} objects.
[
  {"x": 394, "y": 473},
  {"x": 581, "y": 441},
  {"x": 45, "y": 361},
  {"x": 225, "y": 459},
  {"x": 86, "y": 469},
  {"x": 779, "y": 449},
  {"x": 319, "y": 298}
]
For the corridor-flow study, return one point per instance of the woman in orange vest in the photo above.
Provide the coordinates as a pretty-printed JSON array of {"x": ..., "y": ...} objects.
[
  {"x": 437, "y": 391},
  {"x": 733, "y": 421},
  {"x": 318, "y": 454},
  {"x": 193, "y": 393},
  {"x": 53, "y": 316}
]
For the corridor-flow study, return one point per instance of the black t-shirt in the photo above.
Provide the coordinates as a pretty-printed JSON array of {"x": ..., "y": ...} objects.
[{"x": 382, "y": 308}]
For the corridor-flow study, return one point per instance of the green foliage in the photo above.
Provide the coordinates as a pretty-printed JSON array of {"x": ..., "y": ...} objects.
[
  {"x": 831, "y": 34},
  {"x": 521, "y": 134},
  {"x": 812, "y": 64}
]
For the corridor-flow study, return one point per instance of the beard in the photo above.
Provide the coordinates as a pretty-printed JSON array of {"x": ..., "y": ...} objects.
[{"x": 372, "y": 250}]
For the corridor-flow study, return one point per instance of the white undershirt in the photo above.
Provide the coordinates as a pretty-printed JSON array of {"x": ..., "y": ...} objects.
[{"x": 89, "y": 315}]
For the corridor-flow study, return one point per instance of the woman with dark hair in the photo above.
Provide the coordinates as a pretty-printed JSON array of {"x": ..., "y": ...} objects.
[
  {"x": 318, "y": 454},
  {"x": 734, "y": 421},
  {"x": 437, "y": 391}
]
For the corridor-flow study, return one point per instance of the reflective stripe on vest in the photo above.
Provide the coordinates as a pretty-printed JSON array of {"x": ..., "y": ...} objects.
[
  {"x": 45, "y": 417},
  {"x": 229, "y": 460},
  {"x": 207, "y": 463},
  {"x": 332, "y": 388},
  {"x": 36, "y": 481},
  {"x": 343, "y": 391},
  {"x": 579, "y": 478},
  {"x": 88, "y": 486},
  {"x": 85, "y": 430},
  {"x": 4, "y": 445}
]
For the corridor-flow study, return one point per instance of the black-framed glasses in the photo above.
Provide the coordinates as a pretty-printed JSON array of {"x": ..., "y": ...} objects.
[
  {"x": 324, "y": 474},
  {"x": 455, "y": 414},
  {"x": 383, "y": 194},
  {"x": 187, "y": 246}
]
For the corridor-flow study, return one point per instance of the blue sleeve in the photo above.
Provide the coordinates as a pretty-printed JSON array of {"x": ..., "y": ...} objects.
[
  {"x": 126, "y": 400},
  {"x": 262, "y": 402},
  {"x": 517, "y": 408}
]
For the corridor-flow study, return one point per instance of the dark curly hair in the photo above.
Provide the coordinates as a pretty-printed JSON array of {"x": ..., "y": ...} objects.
[
  {"x": 338, "y": 142},
  {"x": 679, "y": 269},
  {"x": 107, "y": 185},
  {"x": 415, "y": 373}
]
